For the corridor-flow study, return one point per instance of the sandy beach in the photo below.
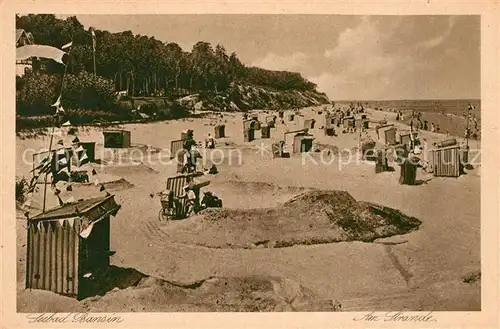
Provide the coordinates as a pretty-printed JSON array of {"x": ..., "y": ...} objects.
[{"x": 421, "y": 270}]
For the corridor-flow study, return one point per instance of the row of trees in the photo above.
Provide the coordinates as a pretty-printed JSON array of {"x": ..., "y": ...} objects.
[{"x": 146, "y": 66}]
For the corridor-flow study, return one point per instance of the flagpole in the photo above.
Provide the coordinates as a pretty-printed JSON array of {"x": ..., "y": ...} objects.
[
  {"x": 93, "y": 49},
  {"x": 52, "y": 136},
  {"x": 467, "y": 129}
]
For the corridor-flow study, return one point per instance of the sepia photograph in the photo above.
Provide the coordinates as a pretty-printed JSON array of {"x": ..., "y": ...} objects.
[{"x": 247, "y": 163}]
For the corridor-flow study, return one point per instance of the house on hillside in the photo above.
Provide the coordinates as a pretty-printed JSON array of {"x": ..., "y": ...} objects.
[{"x": 23, "y": 38}]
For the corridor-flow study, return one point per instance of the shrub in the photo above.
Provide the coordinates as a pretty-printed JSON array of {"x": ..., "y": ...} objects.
[
  {"x": 85, "y": 91},
  {"x": 89, "y": 92},
  {"x": 38, "y": 92},
  {"x": 21, "y": 188}
]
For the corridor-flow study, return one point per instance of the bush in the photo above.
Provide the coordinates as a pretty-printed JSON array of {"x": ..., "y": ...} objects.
[
  {"x": 85, "y": 91},
  {"x": 21, "y": 188},
  {"x": 36, "y": 94},
  {"x": 89, "y": 92}
]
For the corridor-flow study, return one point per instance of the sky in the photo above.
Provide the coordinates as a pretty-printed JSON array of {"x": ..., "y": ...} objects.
[{"x": 348, "y": 57}]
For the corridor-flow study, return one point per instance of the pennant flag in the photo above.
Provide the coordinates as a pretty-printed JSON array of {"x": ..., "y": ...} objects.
[
  {"x": 70, "y": 200},
  {"x": 67, "y": 123},
  {"x": 62, "y": 162},
  {"x": 108, "y": 194},
  {"x": 102, "y": 188},
  {"x": 76, "y": 140},
  {"x": 86, "y": 232},
  {"x": 58, "y": 102},
  {"x": 61, "y": 151},
  {"x": 83, "y": 160},
  {"x": 68, "y": 45},
  {"x": 60, "y": 110}
]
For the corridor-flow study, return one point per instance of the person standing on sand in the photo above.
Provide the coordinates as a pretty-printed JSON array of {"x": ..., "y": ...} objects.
[{"x": 433, "y": 128}]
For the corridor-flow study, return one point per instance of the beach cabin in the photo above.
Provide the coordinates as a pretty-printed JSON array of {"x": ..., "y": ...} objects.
[
  {"x": 248, "y": 135},
  {"x": 271, "y": 121},
  {"x": 297, "y": 141},
  {"x": 68, "y": 247},
  {"x": 387, "y": 134},
  {"x": 302, "y": 143},
  {"x": 348, "y": 122},
  {"x": 175, "y": 147},
  {"x": 176, "y": 185},
  {"x": 445, "y": 161},
  {"x": 116, "y": 138},
  {"x": 220, "y": 131},
  {"x": 265, "y": 132},
  {"x": 404, "y": 137},
  {"x": 278, "y": 149}
]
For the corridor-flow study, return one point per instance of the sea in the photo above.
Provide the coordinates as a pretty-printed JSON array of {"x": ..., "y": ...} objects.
[{"x": 456, "y": 107}]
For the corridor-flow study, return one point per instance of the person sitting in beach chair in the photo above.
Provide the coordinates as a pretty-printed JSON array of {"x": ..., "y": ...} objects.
[{"x": 191, "y": 199}]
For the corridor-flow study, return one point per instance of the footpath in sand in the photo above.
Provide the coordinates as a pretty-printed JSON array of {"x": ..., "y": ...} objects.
[{"x": 421, "y": 270}]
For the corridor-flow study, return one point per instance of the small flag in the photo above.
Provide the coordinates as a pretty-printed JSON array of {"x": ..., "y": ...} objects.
[
  {"x": 93, "y": 38},
  {"x": 58, "y": 102},
  {"x": 61, "y": 151},
  {"x": 62, "y": 162},
  {"x": 102, "y": 188},
  {"x": 69, "y": 44},
  {"x": 76, "y": 140},
  {"x": 83, "y": 159},
  {"x": 60, "y": 109}
]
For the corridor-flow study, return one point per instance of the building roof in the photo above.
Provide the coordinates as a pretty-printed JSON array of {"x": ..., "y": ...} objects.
[{"x": 19, "y": 32}]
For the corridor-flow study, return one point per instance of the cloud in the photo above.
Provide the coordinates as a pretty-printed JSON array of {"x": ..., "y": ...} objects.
[
  {"x": 277, "y": 62},
  {"x": 361, "y": 65},
  {"x": 438, "y": 40}
]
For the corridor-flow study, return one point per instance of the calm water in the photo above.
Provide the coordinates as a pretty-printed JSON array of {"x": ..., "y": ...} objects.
[{"x": 457, "y": 107}]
